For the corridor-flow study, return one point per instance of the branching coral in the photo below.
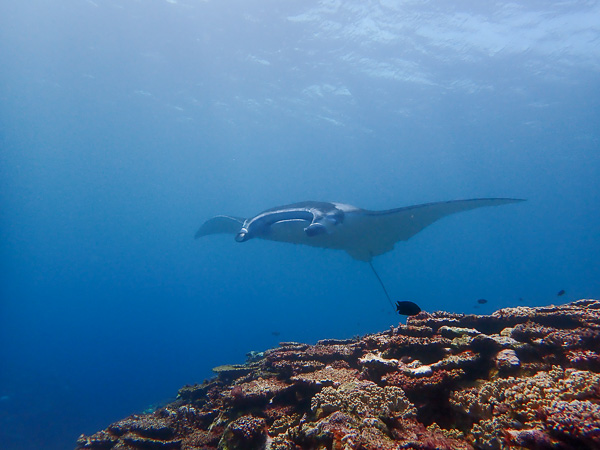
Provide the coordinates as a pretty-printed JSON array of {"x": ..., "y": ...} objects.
[
  {"x": 505, "y": 404},
  {"x": 364, "y": 399}
]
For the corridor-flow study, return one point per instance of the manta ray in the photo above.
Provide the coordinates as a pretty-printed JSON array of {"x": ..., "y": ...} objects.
[{"x": 362, "y": 233}]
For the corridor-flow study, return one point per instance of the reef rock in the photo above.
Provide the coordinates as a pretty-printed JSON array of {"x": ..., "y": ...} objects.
[
  {"x": 519, "y": 378},
  {"x": 507, "y": 360}
]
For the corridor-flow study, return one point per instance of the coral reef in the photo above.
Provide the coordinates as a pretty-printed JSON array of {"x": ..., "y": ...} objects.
[{"x": 518, "y": 378}]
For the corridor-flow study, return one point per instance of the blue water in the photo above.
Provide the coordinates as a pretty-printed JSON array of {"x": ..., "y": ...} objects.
[{"x": 125, "y": 124}]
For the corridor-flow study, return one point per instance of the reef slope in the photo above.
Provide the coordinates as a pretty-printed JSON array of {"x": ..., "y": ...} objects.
[{"x": 518, "y": 378}]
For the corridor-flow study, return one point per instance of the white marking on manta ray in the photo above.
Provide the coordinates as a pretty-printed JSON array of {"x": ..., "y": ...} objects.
[{"x": 363, "y": 234}]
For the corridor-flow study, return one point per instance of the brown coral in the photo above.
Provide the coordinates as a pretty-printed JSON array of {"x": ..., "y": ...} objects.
[
  {"x": 576, "y": 422},
  {"x": 328, "y": 376},
  {"x": 364, "y": 399},
  {"x": 245, "y": 433},
  {"x": 508, "y": 403},
  {"x": 524, "y": 377}
]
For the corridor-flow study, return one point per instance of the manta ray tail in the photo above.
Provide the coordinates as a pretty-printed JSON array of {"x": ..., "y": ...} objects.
[{"x": 382, "y": 285}]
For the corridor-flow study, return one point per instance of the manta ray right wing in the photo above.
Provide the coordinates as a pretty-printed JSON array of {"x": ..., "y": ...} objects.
[{"x": 220, "y": 224}]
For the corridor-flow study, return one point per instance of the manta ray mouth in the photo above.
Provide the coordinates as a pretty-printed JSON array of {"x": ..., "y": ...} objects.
[
  {"x": 314, "y": 229},
  {"x": 242, "y": 236}
]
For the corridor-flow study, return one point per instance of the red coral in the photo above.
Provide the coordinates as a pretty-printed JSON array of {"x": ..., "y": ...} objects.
[
  {"x": 533, "y": 438},
  {"x": 584, "y": 359},
  {"x": 439, "y": 379}
]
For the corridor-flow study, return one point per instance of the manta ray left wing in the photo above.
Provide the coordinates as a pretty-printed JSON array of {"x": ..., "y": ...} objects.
[
  {"x": 220, "y": 224},
  {"x": 372, "y": 233}
]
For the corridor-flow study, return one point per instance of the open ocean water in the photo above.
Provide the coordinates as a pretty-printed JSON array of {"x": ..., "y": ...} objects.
[{"x": 125, "y": 124}]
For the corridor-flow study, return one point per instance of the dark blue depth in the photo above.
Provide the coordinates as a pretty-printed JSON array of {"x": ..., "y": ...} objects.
[{"x": 124, "y": 125}]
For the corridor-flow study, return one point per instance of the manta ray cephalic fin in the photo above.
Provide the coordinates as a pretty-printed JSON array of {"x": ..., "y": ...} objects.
[{"x": 220, "y": 224}]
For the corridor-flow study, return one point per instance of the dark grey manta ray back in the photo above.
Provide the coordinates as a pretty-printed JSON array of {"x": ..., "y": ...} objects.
[{"x": 360, "y": 232}]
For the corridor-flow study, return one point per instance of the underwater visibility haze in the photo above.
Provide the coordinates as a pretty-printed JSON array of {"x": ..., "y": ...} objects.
[{"x": 125, "y": 125}]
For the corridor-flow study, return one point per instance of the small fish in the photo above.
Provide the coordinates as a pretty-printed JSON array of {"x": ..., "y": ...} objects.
[
  {"x": 482, "y": 301},
  {"x": 407, "y": 308},
  {"x": 275, "y": 333},
  {"x": 561, "y": 292}
]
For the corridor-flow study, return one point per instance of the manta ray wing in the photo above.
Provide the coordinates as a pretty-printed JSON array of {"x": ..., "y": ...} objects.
[
  {"x": 371, "y": 233},
  {"x": 220, "y": 224}
]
